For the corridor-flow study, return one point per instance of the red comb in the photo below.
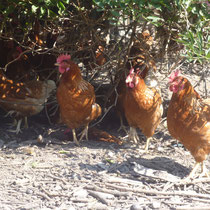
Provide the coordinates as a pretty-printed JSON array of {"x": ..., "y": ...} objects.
[
  {"x": 63, "y": 57},
  {"x": 131, "y": 70},
  {"x": 173, "y": 75},
  {"x": 128, "y": 78}
]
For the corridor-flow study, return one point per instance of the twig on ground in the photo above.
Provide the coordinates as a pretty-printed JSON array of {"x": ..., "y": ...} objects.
[
  {"x": 200, "y": 180},
  {"x": 200, "y": 200},
  {"x": 43, "y": 196},
  {"x": 57, "y": 178},
  {"x": 98, "y": 196},
  {"x": 80, "y": 200},
  {"x": 112, "y": 192},
  {"x": 193, "y": 208},
  {"x": 50, "y": 195},
  {"x": 154, "y": 192},
  {"x": 112, "y": 179}
]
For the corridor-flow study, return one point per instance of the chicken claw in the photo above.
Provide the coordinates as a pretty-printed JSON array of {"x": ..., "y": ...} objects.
[
  {"x": 84, "y": 133},
  {"x": 122, "y": 126},
  {"x": 133, "y": 136},
  {"x": 75, "y": 137},
  {"x": 147, "y": 144},
  {"x": 204, "y": 172},
  {"x": 17, "y": 130}
]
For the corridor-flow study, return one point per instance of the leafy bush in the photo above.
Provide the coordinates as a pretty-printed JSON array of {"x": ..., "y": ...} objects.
[
  {"x": 189, "y": 18},
  {"x": 185, "y": 21},
  {"x": 195, "y": 34}
]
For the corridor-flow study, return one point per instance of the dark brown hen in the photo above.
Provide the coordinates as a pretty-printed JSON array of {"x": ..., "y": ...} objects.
[{"x": 24, "y": 99}]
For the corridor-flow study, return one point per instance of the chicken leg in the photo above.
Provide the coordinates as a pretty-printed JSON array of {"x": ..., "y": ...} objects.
[
  {"x": 75, "y": 137},
  {"x": 204, "y": 171},
  {"x": 147, "y": 144},
  {"x": 84, "y": 133},
  {"x": 17, "y": 123},
  {"x": 122, "y": 126},
  {"x": 133, "y": 136},
  {"x": 17, "y": 130},
  {"x": 26, "y": 122}
]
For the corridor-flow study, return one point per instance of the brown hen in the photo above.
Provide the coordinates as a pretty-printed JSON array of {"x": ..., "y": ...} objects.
[
  {"x": 24, "y": 99},
  {"x": 188, "y": 120},
  {"x": 142, "y": 105},
  {"x": 76, "y": 97},
  {"x": 139, "y": 57}
]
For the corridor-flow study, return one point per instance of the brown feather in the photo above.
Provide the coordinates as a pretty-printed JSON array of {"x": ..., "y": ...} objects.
[
  {"x": 76, "y": 98},
  {"x": 142, "y": 107},
  {"x": 188, "y": 121},
  {"x": 25, "y": 99}
]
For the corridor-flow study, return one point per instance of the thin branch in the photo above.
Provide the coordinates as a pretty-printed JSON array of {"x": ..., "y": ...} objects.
[{"x": 154, "y": 192}]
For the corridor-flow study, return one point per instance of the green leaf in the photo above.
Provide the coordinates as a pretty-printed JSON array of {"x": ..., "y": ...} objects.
[
  {"x": 110, "y": 161},
  {"x": 200, "y": 38},
  {"x": 66, "y": 1},
  {"x": 115, "y": 13},
  {"x": 63, "y": 152},
  {"x": 61, "y": 5},
  {"x": 51, "y": 13},
  {"x": 10, "y": 10},
  {"x": 34, "y": 164},
  {"x": 208, "y": 55},
  {"x": 154, "y": 18},
  {"x": 34, "y": 8},
  {"x": 42, "y": 11},
  {"x": 190, "y": 35}
]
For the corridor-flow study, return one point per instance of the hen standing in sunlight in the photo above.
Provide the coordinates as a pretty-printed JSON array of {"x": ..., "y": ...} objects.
[
  {"x": 76, "y": 97},
  {"x": 142, "y": 105},
  {"x": 188, "y": 120}
]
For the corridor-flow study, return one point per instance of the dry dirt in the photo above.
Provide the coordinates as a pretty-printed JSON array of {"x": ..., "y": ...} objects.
[{"x": 56, "y": 174}]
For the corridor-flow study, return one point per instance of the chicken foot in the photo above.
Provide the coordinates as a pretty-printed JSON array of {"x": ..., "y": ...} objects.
[
  {"x": 133, "y": 136},
  {"x": 204, "y": 171},
  {"x": 17, "y": 130},
  {"x": 147, "y": 144},
  {"x": 84, "y": 133},
  {"x": 14, "y": 123},
  {"x": 75, "y": 137},
  {"x": 18, "y": 124},
  {"x": 122, "y": 126}
]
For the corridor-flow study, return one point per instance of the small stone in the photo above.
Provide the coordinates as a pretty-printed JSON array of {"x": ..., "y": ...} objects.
[
  {"x": 81, "y": 193},
  {"x": 111, "y": 154},
  {"x": 29, "y": 191},
  {"x": 156, "y": 205},
  {"x": 103, "y": 166},
  {"x": 88, "y": 176},
  {"x": 136, "y": 206},
  {"x": 160, "y": 149},
  {"x": 58, "y": 187},
  {"x": 71, "y": 208}
]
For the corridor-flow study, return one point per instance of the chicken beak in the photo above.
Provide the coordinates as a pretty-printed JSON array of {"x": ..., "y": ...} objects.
[{"x": 56, "y": 64}]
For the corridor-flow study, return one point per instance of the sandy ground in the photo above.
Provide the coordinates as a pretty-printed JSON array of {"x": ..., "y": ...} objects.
[{"x": 56, "y": 174}]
